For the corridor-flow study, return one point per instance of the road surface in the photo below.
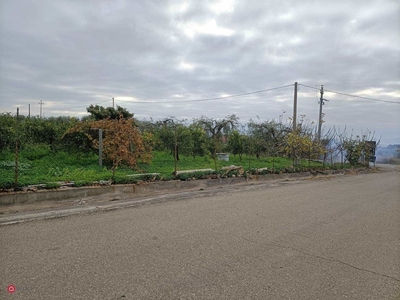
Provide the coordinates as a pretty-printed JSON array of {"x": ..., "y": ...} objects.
[{"x": 337, "y": 238}]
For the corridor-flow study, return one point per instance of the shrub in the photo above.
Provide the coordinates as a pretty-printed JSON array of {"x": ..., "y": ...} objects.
[{"x": 6, "y": 185}]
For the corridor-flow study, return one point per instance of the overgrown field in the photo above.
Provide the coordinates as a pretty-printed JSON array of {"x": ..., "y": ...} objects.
[
  {"x": 41, "y": 166},
  {"x": 54, "y": 150}
]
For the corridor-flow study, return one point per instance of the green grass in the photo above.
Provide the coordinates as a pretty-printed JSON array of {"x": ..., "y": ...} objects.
[
  {"x": 46, "y": 167},
  {"x": 164, "y": 163},
  {"x": 52, "y": 168}
]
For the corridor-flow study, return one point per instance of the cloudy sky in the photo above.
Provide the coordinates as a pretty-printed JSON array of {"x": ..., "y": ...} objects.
[{"x": 165, "y": 58}]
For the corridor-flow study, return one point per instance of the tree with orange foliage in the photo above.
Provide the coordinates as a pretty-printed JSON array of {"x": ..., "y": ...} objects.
[{"x": 122, "y": 142}]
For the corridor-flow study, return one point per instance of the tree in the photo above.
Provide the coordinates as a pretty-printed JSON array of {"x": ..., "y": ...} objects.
[
  {"x": 199, "y": 139},
  {"x": 79, "y": 136},
  {"x": 235, "y": 144},
  {"x": 100, "y": 113},
  {"x": 354, "y": 149},
  {"x": 296, "y": 145},
  {"x": 215, "y": 130},
  {"x": 123, "y": 144},
  {"x": 360, "y": 148},
  {"x": 267, "y": 137},
  {"x": 47, "y": 131},
  {"x": 7, "y": 132},
  {"x": 184, "y": 140},
  {"x": 257, "y": 138},
  {"x": 165, "y": 137},
  {"x": 175, "y": 137}
]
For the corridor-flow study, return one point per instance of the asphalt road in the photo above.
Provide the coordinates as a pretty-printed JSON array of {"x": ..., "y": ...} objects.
[{"x": 337, "y": 238}]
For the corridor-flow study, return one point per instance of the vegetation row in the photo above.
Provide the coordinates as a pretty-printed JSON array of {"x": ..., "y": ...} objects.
[{"x": 46, "y": 151}]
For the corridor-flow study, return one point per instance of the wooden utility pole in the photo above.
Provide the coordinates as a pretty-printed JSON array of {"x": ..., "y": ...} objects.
[
  {"x": 175, "y": 150},
  {"x": 295, "y": 108},
  {"x": 29, "y": 110},
  {"x": 113, "y": 101},
  {"x": 321, "y": 103},
  {"x": 41, "y": 108},
  {"x": 294, "y": 118}
]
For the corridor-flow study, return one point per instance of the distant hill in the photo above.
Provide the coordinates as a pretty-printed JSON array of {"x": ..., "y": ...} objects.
[{"x": 389, "y": 154}]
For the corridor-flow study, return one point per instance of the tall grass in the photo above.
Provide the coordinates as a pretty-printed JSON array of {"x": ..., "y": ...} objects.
[{"x": 41, "y": 166}]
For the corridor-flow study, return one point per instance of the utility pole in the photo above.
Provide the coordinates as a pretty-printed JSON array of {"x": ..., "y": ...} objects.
[
  {"x": 295, "y": 108},
  {"x": 321, "y": 103},
  {"x": 175, "y": 150},
  {"x": 100, "y": 147},
  {"x": 113, "y": 101},
  {"x": 41, "y": 105},
  {"x": 29, "y": 110},
  {"x": 16, "y": 154}
]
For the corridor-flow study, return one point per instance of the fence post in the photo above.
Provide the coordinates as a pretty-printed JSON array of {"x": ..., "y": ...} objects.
[
  {"x": 16, "y": 153},
  {"x": 100, "y": 147}
]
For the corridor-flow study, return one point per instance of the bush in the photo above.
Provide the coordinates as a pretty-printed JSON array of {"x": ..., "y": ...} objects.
[{"x": 6, "y": 185}]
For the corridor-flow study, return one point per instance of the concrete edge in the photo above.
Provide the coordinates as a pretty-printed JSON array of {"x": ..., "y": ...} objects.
[
  {"x": 131, "y": 196},
  {"x": 117, "y": 192}
]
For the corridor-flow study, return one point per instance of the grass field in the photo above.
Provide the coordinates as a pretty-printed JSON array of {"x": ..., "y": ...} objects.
[{"x": 45, "y": 167}]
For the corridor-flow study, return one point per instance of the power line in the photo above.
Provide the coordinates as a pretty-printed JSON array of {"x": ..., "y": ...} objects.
[
  {"x": 354, "y": 96},
  {"x": 311, "y": 87},
  {"x": 361, "y": 97},
  {"x": 215, "y": 98},
  {"x": 196, "y": 100},
  {"x": 199, "y": 100},
  {"x": 88, "y": 104}
]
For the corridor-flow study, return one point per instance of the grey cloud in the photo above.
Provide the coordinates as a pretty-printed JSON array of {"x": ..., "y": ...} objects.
[{"x": 74, "y": 53}]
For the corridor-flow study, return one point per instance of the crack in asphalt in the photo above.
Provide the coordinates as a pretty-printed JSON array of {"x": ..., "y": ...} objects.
[{"x": 323, "y": 258}]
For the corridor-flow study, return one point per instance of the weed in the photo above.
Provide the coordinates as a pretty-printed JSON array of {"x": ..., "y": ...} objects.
[
  {"x": 80, "y": 183},
  {"x": 6, "y": 185},
  {"x": 35, "y": 151},
  {"x": 11, "y": 165},
  {"x": 83, "y": 169},
  {"x": 51, "y": 186}
]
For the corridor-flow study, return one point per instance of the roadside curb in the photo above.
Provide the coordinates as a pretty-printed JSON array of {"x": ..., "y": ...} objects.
[
  {"x": 92, "y": 199},
  {"x": 106, "y": 203},
  {"x": 122, "y": 191}
]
